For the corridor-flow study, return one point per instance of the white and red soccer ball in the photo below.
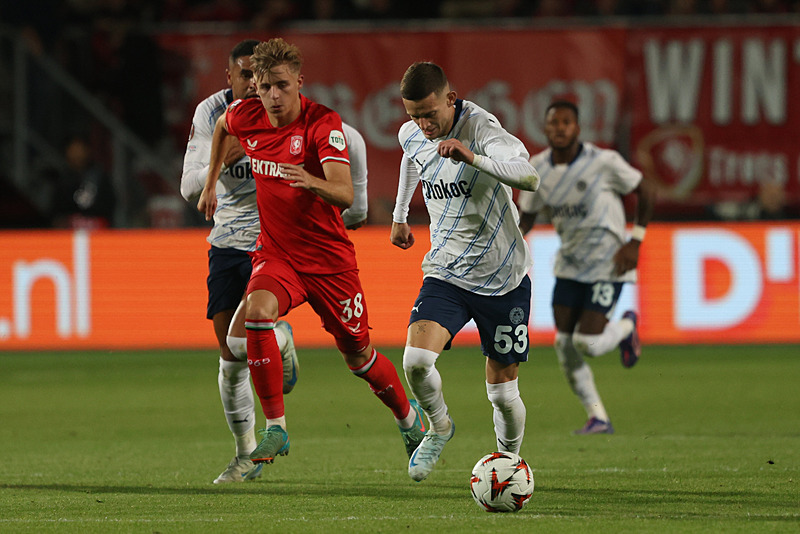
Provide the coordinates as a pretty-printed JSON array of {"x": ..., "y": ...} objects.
[{"x": 501, "y": 482}]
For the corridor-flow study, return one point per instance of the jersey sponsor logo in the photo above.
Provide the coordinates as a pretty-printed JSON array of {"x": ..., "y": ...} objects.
[
  {"x": 442, "y": 190},
  {"x": 296, "y": 144},
  {"x": 569, "y": 211},
  {"x": 264, "y": 168},
  {"x": 336, "y": 140},
  {"x": 252, "y": 144}
]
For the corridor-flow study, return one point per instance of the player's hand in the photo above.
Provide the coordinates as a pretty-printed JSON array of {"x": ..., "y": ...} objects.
[
  {"x": 627, "y": 257},
  {"x": 233, "y": 149},
  {"x": 456, "y": 151},
  {"x": 207, "y": 204},
  {"x": 297, "y": 176},
  {"x": 402, "y": 236},
  {"x": 352, "y": 220}
]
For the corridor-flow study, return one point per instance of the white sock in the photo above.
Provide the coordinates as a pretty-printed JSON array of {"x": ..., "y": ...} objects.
[
  {"x": 426, "y": 385},
  {"x": 408, "y": 421},
  {"x": 238, "y": 404},
  {"x": 280, "y": 421},
  {"x": 280, "y": 338},
  {"x": 508, "y": 416},
  {"x": 595, "y": 345},
  {"x": 579, "y": 375}
]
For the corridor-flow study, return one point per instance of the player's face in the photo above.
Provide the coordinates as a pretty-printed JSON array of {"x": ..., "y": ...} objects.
[
  {"x": 433, "y": 114},
  {"x": 279, "y": 90},
  {"x": 561, "y": 128},
  {"x": 240, "y": 78}
]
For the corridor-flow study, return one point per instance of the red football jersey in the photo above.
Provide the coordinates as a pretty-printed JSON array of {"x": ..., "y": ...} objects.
[{"x": 296, "y": 224}]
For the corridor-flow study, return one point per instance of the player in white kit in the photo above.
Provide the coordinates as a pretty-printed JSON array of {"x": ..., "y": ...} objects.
[
  {"x": 233, "y": 236},
  {"x": 477, "y": 267},
  {"x": 581, "y": 190}
]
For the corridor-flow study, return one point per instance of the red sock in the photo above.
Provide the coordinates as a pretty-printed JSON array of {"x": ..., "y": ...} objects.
[
  {"x": 382, "y": 378},
  {"x": 266, "y": 367}
]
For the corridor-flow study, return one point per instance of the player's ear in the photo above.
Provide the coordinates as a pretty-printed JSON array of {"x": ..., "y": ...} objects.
[
  {"x": 451, "y": 98},
  {"x": 299, "y": 81}
]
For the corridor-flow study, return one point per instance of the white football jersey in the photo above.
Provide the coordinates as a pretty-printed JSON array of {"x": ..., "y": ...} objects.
[
  {"x": 476, "y": 243},
  {"x": 583, "y": 201},
  {"x": 236, "y": 218}
]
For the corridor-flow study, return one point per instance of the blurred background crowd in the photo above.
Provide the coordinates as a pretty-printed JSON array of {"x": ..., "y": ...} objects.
[{"x": 105, "y": 55}]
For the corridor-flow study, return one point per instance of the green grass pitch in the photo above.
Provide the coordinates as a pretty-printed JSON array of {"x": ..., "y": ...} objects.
[{"x": 708, "y": 440}]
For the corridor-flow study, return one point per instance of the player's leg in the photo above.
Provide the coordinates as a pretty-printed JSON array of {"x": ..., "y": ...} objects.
[
  {"x": 595, "y": 335},
  {"x": 503, "y": 326},
  {"x": 268, "y": 297},
  {"x": 237, "y": 336},
  {"x": 339, "y": 301},
  {"x": 438, "y": 313},
  {"x": 569, "y": 298},
  {"x": 229, "y": 270}
]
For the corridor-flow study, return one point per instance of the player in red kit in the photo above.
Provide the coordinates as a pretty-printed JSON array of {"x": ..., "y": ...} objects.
[{"x": 300, "y": 163}]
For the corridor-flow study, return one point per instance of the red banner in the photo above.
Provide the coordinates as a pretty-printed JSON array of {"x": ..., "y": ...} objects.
[
  {"x": 715, "y": 111},
  {"x": 513, "y": 74},
  {"x": 710, "y": 112}
]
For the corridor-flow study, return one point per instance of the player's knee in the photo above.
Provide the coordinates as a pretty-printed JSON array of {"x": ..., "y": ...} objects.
[
  {"x": 237, "y": 346},
  {"x": 503, "y": 396},
  {"x": 587, "y": 344},
  {"x": 418, "y": 361}
]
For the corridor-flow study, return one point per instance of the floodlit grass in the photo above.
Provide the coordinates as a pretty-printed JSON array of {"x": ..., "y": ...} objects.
[{"x": 708, "y": 440}]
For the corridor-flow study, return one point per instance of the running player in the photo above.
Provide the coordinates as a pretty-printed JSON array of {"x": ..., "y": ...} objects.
[
  {"x": 478, "y": 264},
  {"x": 581, "y": 190},
  {"x": 232, "y": 238},
  {"x": 299, "y": 159}
]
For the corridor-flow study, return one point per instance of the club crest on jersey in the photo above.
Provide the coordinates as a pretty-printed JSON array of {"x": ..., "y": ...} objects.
[
  {"x": 296, "y": 145},
  {"x": 336, "y": 140},
  {"x": 252, "y": 144}
]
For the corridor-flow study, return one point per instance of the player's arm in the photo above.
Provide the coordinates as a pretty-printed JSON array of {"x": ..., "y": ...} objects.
[
  {"x": 356, "y": 215},
  {"x": 401, "y": 235},
  {"x": 516, "y": 172},
  {"x": 336, "y": 188},
  {"x": 627, "y": 257},
  {"x": 195, "y": 162},
  {"x": 208, "y": 197}
]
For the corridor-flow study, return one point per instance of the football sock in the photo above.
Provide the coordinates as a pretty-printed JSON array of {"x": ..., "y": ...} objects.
[
  {"x": 238, "y": 347},
  {"x": 236, "y": 396},
  {"x": 280, "y": 421},
  {"x": 245, "y": 444},
  {"x": 266, "y": 367},
  {"x": 598, "y": 344},
  {"x": 384, "y": 382},
  {"x": 508, "y": 416},
  {"x": 426, "y": 384},
  {"x": 579, "y": 375},
  {"x": 280, "y": 339}
]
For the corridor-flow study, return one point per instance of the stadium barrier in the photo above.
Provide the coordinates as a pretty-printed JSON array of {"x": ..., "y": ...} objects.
[{"x": 145, "y": 289}]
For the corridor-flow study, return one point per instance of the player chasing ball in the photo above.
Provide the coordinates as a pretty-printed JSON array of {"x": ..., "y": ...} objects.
[
  {"x": 477, "y": 267},
  {"x": 299, "y": 160}
]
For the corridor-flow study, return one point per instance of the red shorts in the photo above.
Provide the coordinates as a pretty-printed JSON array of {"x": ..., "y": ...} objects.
[{"x": 338, "y": 299}]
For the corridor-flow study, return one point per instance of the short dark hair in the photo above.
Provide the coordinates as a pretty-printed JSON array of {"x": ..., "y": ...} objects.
[
  {"x": 421, "y": 79},
  {"x": 562, "y": 104},
  {"x": 244, "y": 48}
]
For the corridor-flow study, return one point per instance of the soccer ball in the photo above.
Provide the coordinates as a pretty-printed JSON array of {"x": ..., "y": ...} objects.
[{"x": 501, "y": 482}]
